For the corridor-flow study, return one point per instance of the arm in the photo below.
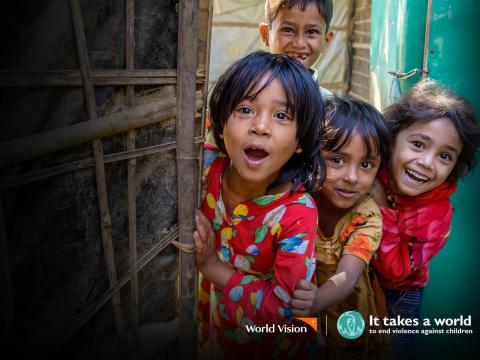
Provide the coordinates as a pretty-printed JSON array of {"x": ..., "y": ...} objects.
[
  {"x": 249, "y": 299},
  {"x": 310, "y": 300}
]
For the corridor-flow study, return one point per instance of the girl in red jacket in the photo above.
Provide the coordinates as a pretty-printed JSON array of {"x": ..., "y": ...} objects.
[{"x": 435, "y": 137}]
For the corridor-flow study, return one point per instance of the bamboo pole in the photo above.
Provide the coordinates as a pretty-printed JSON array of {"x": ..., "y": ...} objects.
[
  {"x": 105, "y": 220},
  {"x": 66, "y": 78},
  {"x": 186, "y": 183},
  {"x": 36, "y": 175},
  {"x": 8, "y": 309},
  {"x": 426, "y": 43},
  {"x": 131, "y": 166},
  {"x": 116, "y": 287},
  {"x": 47, "y": 142}
]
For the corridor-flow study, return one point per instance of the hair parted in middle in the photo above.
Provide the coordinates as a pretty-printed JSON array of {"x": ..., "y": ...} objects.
[
  {"x": 344, "y": 117},
  {"x": 244, "y": 79}
]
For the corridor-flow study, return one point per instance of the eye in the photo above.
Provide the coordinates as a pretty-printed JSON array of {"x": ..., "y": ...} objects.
[
  {"x": 282, "y": 116},
  {"x": 244, "y": 110},
  {"x": 337, "y": 160},
  {"x": 445, "y": 156},
  {"x": 367, "y": 165},
  {"x": 418, "y": 144},
  {"x": 313, "y": 32},
  {"x": 287, "y": 29}
]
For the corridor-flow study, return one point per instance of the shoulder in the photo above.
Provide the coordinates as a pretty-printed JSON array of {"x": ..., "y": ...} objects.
[
  {"x": 299, "y": 210},
  {"x": 210, "y": 154},
  {"x": 369, "y": 210}
]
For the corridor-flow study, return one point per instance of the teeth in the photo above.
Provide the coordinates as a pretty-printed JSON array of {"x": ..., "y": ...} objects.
[{"x": 417, "y": 176}]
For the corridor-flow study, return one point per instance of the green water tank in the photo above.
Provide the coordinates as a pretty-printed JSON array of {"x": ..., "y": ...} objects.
[{"x": 397, "y": 46}]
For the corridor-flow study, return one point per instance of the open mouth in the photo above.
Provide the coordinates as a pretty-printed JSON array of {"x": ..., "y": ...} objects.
[
  {"x": 346, "y": 193},
  {"x": 255, "y": 155},
  {"x": 416, "y": 177},
  {"x": 298, "y": 56}
]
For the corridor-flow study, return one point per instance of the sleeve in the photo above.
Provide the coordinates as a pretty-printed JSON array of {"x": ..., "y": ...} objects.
[
  {"x": 412, "y": 238},
  {"x": 247, "y": 299},
  {"x": 364, "y": 240},
  {"x": 210, "y": 153}
]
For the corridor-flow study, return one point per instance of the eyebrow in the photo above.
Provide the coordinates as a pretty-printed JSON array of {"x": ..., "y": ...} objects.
[
  {"x": 428, "y": 138},
  {"x": 366, "y": 158},
  {"x": 312, "y": 25}
]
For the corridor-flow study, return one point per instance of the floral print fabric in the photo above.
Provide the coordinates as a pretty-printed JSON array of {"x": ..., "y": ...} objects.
[{"x": 269, "y": 241}]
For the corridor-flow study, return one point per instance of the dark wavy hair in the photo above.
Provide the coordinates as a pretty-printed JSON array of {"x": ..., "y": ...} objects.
[
  {"x": 428, "y": 101},
  {"x": 272, "y": 7},
  {"x": 344, "y": 117},
  {"x": 241, "y": 81}
]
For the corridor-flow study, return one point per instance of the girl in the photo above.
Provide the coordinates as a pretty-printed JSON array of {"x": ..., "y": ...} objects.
[
  {"x": 435, "y": 138},
  {"x": 355, "y": 144},
  {"x": 266, "y": 111}
]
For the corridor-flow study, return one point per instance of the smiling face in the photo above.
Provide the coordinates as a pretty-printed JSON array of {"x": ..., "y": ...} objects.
[
  {"x": 350, "y": 174},
  {"x": 299, "y": 34},
  {"x": 260, "y": 136},
  {"x": 423, "y": 156}
]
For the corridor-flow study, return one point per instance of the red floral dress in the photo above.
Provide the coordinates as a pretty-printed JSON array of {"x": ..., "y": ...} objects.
[{"x": 269, "y": 241}]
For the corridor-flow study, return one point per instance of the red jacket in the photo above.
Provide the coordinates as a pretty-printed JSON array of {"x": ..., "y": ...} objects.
[{"x": 414, "y": 231}]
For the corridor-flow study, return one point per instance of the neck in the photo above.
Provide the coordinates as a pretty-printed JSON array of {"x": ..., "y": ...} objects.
[
  {"x": 328, "y": 214},
  {"x": 236, "y": 190}
]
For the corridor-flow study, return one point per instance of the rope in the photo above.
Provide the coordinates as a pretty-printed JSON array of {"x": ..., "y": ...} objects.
[{"x": 188, "y": 248}]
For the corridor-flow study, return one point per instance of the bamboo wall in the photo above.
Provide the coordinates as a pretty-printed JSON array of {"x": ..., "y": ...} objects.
[{"x": 100, "y": 133}]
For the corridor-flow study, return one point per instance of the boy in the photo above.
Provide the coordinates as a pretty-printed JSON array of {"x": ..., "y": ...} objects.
[{"x": 298, "y": 28}]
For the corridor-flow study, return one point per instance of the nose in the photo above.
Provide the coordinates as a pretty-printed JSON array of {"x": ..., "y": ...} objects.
[
  {"x": 426, "y": 160},
  {"x": 299, "y": 41},
  {"x": 260, "y": 125},
  {"x": 351, "y": 174}
]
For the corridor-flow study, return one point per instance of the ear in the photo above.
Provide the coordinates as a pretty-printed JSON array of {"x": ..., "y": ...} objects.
[
  {"x": 299, "y": 149},
  {"x": 328, "y": 38},
  {"x": 264, "y": 31}
]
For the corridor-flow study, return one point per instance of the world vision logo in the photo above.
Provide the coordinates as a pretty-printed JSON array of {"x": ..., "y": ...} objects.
[
  {"x": 350, "y": 325},
  {"x": 311, "y": 321}
]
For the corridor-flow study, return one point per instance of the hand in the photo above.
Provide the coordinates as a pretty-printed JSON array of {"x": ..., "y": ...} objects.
[
  {"x": 303, "y": 303},
  {"x": 377, "y": 192},
  {"x": 204, "y": 238}
]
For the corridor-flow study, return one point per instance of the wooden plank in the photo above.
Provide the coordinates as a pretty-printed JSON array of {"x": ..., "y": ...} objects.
[
  {"x": 105, "y": 220},
  {"x": 131, "y": 167},
  {"x": 58, "y": 139},
  {"x": 36, "y": 175},
  {"x": 66, "y": 78},
  {"x": 186, "y": 182}
]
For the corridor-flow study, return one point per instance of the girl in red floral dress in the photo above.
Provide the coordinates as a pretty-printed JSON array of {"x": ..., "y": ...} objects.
[{"x": 256, "y": 232}]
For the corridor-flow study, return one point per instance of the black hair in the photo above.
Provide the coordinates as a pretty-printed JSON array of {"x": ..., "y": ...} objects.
[
  {"x": 304, "y": 102},
  {"x": 344, "y": 117},
  {"x": 428, "y": 101},
  {"x": 272, "y": 7}
]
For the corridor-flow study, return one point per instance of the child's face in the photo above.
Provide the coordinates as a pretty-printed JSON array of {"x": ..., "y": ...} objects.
[
  {"x": 299, "y": 34},
  {"x": 350, "y": 173},
  {"x": 423, "y": 156},
  {"x": 260, "y": 136}
]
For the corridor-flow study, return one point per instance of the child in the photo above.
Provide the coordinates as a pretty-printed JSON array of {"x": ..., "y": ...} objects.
[
  {"x": 355, "y": 144},
  {"x": 435, "y": 138},
  {"x": 267, "y": 113},
  {"x": 298, "y": 28}
]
